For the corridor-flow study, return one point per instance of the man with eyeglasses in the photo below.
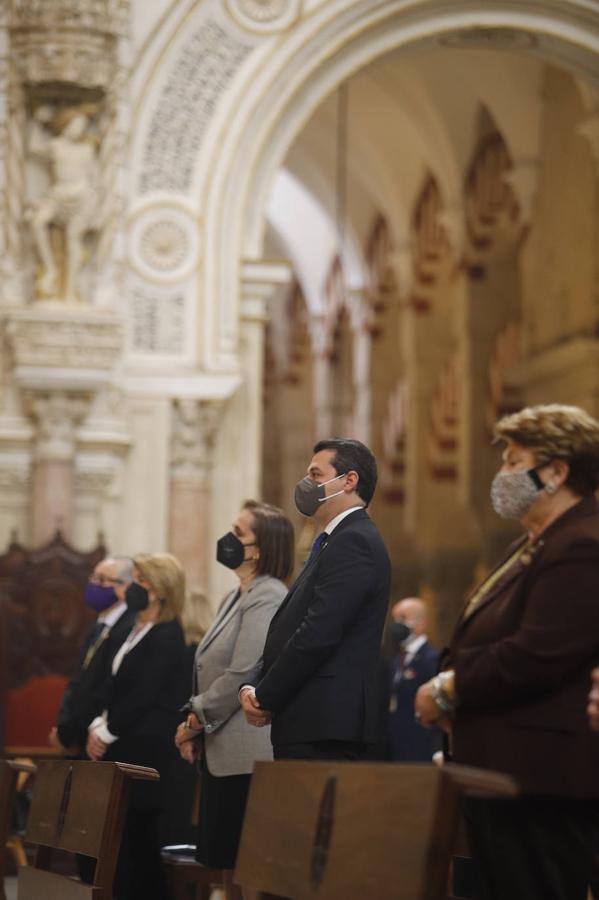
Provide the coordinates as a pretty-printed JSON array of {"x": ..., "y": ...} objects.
[{"x": 105, "y": 594}]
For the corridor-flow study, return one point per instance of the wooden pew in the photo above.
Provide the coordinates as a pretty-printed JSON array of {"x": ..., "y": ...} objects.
[
  {"x": 185, "y": 877},
  {"x": 357, "y": 831},
  {"x": 78, "y": 807},
  {"x": 10, "y": 772}
]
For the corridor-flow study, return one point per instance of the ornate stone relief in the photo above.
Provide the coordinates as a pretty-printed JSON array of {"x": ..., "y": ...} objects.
[
  {"x": 92, "y": 481},
  {"x": 194, "y": 429},
  {"x": 503, "y": 396},
  {"x": 57, "y": 415},
  {"x": 443, "y": 442},
  {"x": 66, "y": 85},
  {"x": 164, "y": 243},
  {"x": 430, "y": 244},
  {"x": 264, "y": 15},
  {"x": 66, "y": 40},
  {"x": 393, "y": 462},
  {"x": 13, "y": 478},
  {"x": 157, "y": 320},
  {"x": 64, "y": 142},
  {"x": 85, "y": 341},
  {"x": 206, "y": 64},
  {"x": 490, "y": 197}
]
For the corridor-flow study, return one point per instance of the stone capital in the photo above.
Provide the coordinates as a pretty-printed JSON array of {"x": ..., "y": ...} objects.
[
  {"x": 261, "y": 280},
  {"x": 195, "y": 424},
  {"x": 57, "y": 415}
]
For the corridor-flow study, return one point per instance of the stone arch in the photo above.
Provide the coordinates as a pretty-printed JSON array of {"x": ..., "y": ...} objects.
[
  {"x": 295, "y": 73},
  {"x": 303, "y": 71}
]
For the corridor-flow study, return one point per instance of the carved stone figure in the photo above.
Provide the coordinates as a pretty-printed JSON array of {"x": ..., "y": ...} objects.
[{"x": 70, "y": 201}]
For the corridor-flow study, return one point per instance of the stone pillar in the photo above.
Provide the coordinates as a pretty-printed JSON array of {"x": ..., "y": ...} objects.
[
  {"x": 194, "y": 427},
  {"x": 260, "y": 283},
  {"x": 56, "y": 415},
  {"x": 323, "y": 420}
]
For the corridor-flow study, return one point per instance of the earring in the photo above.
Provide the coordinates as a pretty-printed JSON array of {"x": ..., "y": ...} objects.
[{"x": 551, "y": 488}]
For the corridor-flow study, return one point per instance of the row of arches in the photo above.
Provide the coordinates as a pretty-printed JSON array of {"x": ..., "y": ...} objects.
[{"x": 419, "y": 364}]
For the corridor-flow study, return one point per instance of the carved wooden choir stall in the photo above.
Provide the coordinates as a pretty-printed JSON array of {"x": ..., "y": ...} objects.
[{"x": 43, "y": 622}]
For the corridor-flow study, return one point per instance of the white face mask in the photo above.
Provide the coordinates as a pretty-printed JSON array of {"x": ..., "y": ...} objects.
[{"x": 513, "y": 493}]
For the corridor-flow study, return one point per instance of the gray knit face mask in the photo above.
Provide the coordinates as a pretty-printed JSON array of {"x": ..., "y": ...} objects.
[{"x": 513, "y": 493}]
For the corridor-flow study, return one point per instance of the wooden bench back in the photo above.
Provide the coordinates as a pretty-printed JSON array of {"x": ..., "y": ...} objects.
[
  {"x": 355, "y": 830},
  {"x": 79, "y": 807}
]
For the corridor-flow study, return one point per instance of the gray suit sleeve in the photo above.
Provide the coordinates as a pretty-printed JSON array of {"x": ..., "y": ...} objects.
[{"x": 218, "y": 703}]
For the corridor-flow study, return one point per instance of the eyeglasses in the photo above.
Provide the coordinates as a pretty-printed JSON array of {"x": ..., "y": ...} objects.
[{"x": 103, "y": 580}]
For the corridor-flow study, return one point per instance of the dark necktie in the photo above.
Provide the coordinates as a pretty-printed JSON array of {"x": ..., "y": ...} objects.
[
  {"x": 95, "y": 632},
  {"x": 95, "y": 636},
  {"x": 315, "y": 550}
]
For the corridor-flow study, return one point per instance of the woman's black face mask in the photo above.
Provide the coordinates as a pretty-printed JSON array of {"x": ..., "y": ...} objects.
[
  {"x": 136, "y": 597},
  {"x": 230, "y": 551}
]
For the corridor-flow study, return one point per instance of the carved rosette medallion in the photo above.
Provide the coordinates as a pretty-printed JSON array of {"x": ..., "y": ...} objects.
[
  {"x": 265, "y": 15},
  {"x": 164, "y": 243}
]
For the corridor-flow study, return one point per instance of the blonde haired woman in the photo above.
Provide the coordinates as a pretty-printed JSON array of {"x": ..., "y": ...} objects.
[{"x": 142, "y": 699}]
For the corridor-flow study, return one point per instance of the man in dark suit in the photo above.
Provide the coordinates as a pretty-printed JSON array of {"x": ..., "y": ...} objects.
[
  {"x": 105, "y": 594},
  {"x": 318, "y": 678},
  {"x": 414, "y": 662}
]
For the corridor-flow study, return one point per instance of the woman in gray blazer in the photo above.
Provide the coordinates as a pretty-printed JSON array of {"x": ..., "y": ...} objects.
[{"x": 260, "y": 550}]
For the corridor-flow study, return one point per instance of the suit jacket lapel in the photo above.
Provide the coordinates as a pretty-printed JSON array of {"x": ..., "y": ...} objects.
[
  {"x": 307, "y": 568},
  {"x": 514, "y": 571},
  {"x": 222, "y": 617},
  {"x": 309, "y": 565},
  {"x": 226, "y": 612}
]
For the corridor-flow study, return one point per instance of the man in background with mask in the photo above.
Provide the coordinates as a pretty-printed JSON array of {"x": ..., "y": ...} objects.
[
  {"x": 105, "y": 594},
  {"x": 318, "y": 678},
  {"x": 414, "y": 662}
]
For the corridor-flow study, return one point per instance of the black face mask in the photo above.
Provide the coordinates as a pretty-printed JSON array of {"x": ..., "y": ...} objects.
[
  {"x": 230, "y": 551},
  {"x": 136, "y": 597},
  {"x": 400, "y": 632}
]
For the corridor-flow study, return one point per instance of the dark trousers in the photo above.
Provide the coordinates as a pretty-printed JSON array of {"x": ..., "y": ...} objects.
[
  {"x": 532, "y": 848},
  {"x": 139, "y": 874},
  {"x": 344, "y": 751}
]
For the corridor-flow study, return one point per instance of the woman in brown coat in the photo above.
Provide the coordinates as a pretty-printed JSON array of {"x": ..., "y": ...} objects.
[{"x": 516, "y": 678}]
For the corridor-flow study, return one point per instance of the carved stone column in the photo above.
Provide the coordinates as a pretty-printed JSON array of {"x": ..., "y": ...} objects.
[
  {"x": 261, "y": 283},
  {"x": 194, "y": 427},
  {"x": 56, "y": 415},
  {"x": 62, "y": 363}
]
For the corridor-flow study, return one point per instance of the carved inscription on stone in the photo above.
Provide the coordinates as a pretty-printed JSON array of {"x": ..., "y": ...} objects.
[
  {"x": 157, "y": 321},
  {"x": 203, "y": 71},
  {"x": 73, "y": 343}
]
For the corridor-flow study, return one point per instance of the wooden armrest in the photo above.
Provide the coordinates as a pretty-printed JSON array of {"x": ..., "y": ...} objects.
[
  {"x": 481, "y": 783},
  {"x": 21, "y": 765},
  {"x": 141, "y": 772}
]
